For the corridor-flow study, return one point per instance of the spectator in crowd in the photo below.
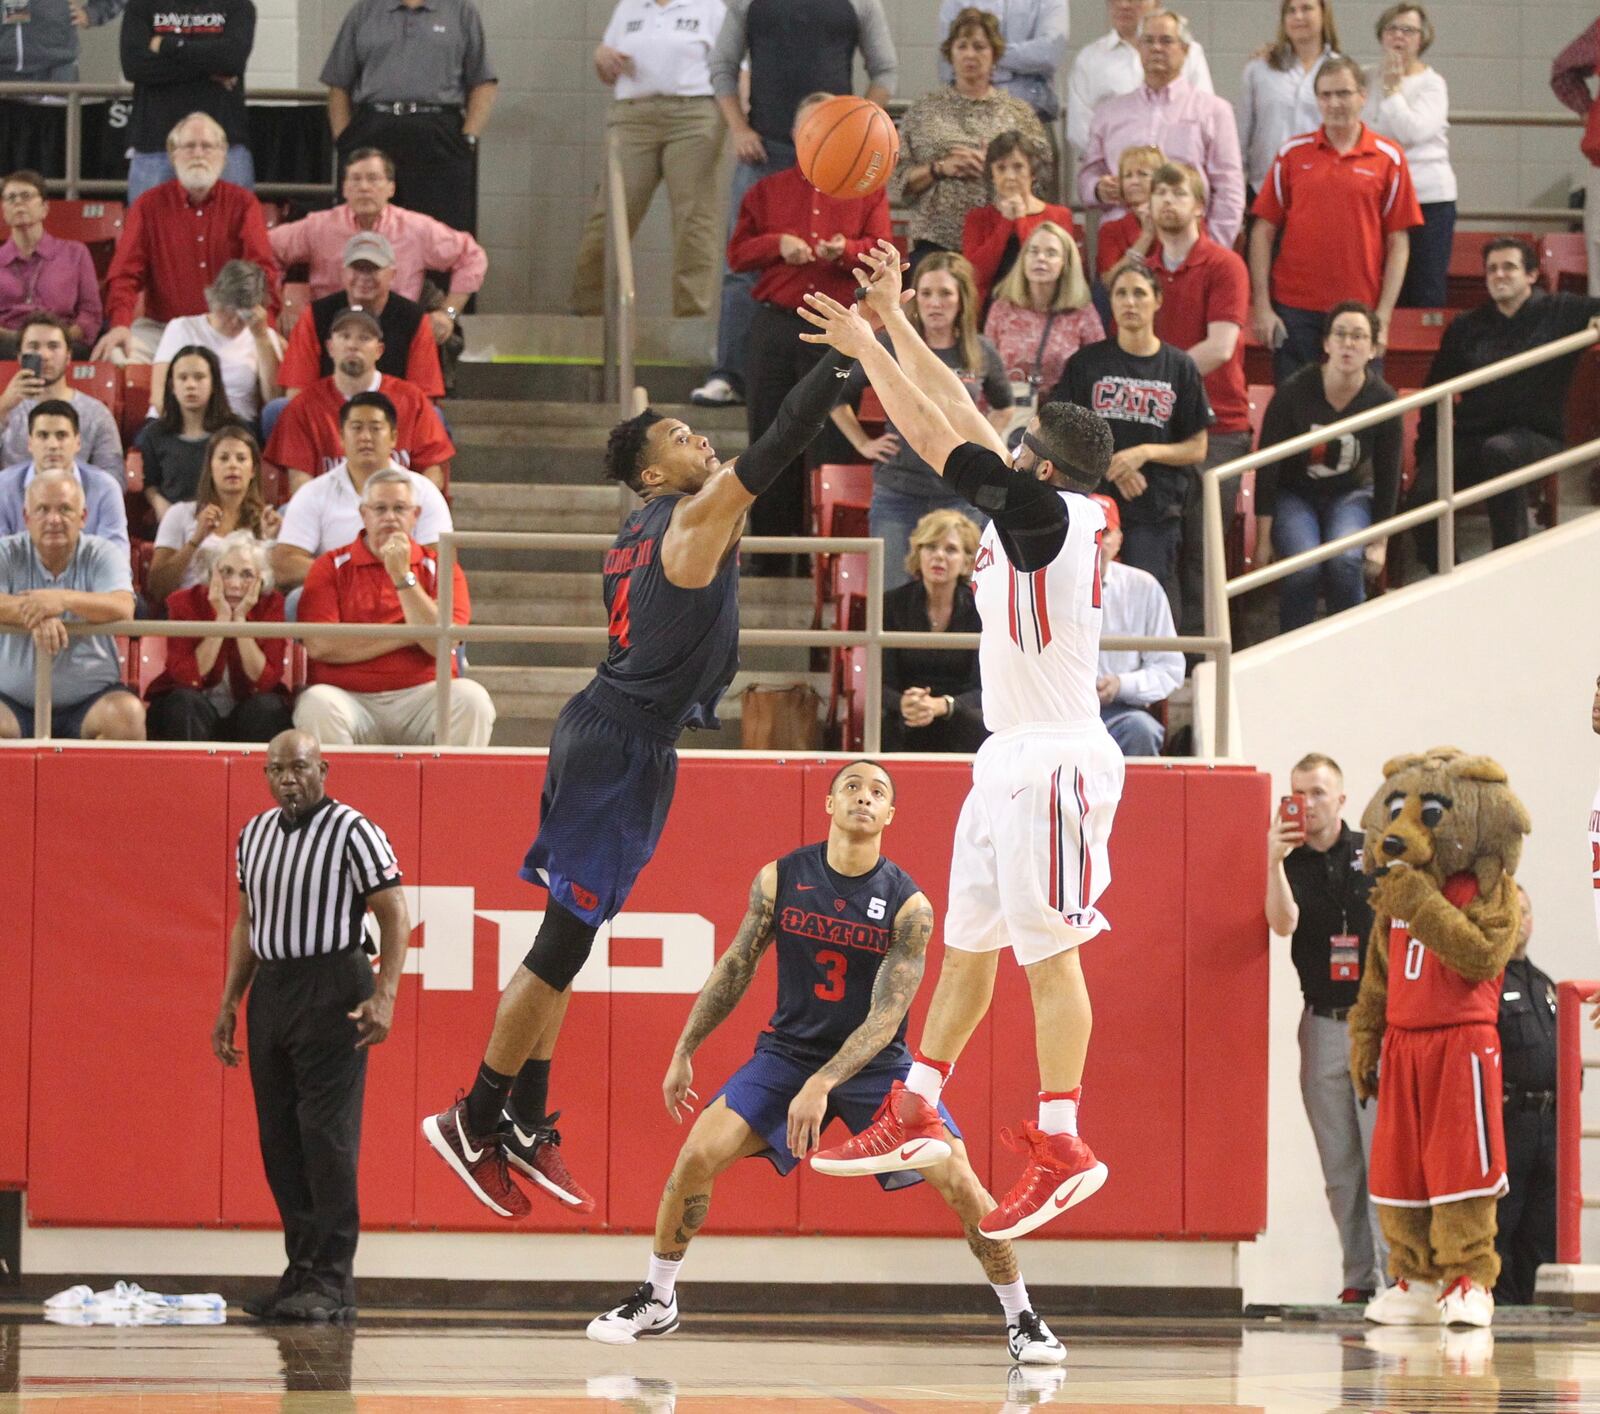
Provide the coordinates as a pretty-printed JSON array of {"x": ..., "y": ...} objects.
[
  {"x": 1333, "y": 221},
  {"x": 325, "y": 513},
  {"x": 1279, "y": 97},
  {"x": 45, "y": 338},
  {"x": 1569, "y": 81},
  {"x": 1110, "y": 66},
  {"x": 1317, "y": 895},
  {"x": 173, "y": 445},
  {"x": 943, "y": 173},
  {"x": 409, "y": 348},
  {"x": 41, "y": 46},
  {"x": 1132, "y": 232},
  {"x": 1344, "y": 485},
  {"x": 41, "y": 273},
  {"x": 799, "y": 47},
  {"x": 904, "y": 487},
  {"x": 420, "y": 87},
  {"x": 1152, "y": 397},
  {"x": 417, "y": 242},
  {"x": 223, "y": 689},
  {"x": 235, "y": 327},
  {"x": 1167, "y": 112},
  {"x": 1041, "y": 315},
  {"x": 656, "y": 60},
  {"x": 1204, "y": 311},
  {"x": 181, "y": 62},
  {"x": 308, "y": 440},
  {"x": 1515, "y": 420},
  {"x": 227, "y": 500},
  {"x": 992, "y": 235},
  {"x": 1526, "y": 1229},
  {"x": 54, "y": 445},
  {"x": 1130, "y": 681},
  {"x": 157, "y": 260},
  {"x": 51, "y": 572},
  {"x": 933, "y": 699},
  {"x": 1408, "y": 101},
  {"x": 799, "y": 240},
  {"x": 380, "y": 692}
]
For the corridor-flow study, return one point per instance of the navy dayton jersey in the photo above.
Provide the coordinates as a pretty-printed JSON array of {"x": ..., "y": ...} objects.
[
  {"x": 673, "y": 651},
  {"x": 832, "y": 932}
]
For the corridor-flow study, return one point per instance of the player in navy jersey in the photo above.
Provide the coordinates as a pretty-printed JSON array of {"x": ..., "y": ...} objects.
[
  {"x": 851, "y": 929},
  {"x": 671, "y": 593}
]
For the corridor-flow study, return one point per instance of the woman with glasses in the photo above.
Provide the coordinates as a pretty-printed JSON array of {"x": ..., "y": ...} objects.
[
  {"x": 1341, "y": 486},
  {"x": 1409, "y": 101},
  {"x": 41, "y": 273}
]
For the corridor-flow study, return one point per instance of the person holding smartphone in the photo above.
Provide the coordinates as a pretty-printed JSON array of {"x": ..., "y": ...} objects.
[{"x": 1317, "y": 895}]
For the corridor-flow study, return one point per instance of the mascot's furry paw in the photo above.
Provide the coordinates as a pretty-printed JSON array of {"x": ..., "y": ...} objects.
[
  {"x": 1364, "y": 1050},
  {"x": 1402, "y": 892}
]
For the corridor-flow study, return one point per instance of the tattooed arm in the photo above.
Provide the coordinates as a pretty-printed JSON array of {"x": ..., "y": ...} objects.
[
  {"x": 728, "y": 982},
  {"x": 899, "y": 976}
]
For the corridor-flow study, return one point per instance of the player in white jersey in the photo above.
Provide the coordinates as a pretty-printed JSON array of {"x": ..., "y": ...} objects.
[{"x": 1030, "y": 856}]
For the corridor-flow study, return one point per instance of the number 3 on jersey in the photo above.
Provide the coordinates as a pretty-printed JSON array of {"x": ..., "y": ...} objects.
[
  {"x": 832, "y": 989},
  {"x": 618, "y": 625}
]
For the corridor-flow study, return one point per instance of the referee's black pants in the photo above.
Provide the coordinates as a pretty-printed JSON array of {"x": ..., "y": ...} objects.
[
  {"x": 435, "y": 167},
  {"x": 1526, "y": 1231},
  {"x": 309, "y": 1081}
]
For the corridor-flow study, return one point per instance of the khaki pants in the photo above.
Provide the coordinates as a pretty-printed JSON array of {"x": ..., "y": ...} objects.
[
  {"x": 679, "y": 139},
  {"x": 403, "y": 717}
]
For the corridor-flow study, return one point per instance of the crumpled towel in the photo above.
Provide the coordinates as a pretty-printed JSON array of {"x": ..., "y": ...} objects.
[{"x": 129, "y": 1304}]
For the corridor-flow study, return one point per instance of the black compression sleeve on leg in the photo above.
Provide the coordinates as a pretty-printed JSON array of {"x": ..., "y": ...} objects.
[
  {"x": 561, "y": 949},
  {"x": 803, "y": 414}
]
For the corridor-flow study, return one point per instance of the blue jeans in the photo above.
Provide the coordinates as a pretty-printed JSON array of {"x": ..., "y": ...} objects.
[
  {"x": 1302, "y": 523},
  {"x": 270, "y": 413},
  {"x": 150, "y": 169},
  {"x": 1302, "y": 343},
  {"x": 1427, "y": 271},
  {"x": 1134, "y": 730},
  {"x": 892, "y": 517},
  {"x": 738, "y": 304}
]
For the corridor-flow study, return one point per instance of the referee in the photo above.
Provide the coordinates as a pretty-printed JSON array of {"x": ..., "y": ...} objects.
[{"x": 308, "y": 872}]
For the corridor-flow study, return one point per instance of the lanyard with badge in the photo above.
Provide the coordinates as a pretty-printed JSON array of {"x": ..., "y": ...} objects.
[{"x": 1344, "y": 947}]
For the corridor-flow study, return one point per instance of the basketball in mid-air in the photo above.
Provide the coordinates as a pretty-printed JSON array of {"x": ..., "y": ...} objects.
[{"x": 847, "y": 147}]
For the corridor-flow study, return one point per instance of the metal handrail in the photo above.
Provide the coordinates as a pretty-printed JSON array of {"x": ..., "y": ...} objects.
[
  {"x": 874, "y": 638},
  {"x": 620, "y": 325}
]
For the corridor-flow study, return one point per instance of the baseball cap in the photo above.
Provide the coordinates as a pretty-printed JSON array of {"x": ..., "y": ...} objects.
[
  {"x": 1112, "y": 510},
  {"x": 356, "y": 316},
  {"x": 371, "y": 247}
]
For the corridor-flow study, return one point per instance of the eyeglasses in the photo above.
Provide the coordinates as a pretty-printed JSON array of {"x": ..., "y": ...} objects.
[
  {"x": 197, "y": 147},
  {"x": 1350, "y": 336},
  {"x": 18, "y": 197},
  {"x": 1161, "y": 41},
  {"x": 1402, "y": 29}
]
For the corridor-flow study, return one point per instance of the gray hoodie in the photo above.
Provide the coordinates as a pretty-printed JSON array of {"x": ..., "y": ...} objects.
[{"x": 45, "y": 47}]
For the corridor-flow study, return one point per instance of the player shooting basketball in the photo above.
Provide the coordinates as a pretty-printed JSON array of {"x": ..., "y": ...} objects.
[
  {"x": 852, "y": 931},
  {"x": 1030, "y": 855}
]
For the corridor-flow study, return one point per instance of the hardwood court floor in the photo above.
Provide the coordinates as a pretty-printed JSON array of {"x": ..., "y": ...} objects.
[{"x": 489, "y": 1362}]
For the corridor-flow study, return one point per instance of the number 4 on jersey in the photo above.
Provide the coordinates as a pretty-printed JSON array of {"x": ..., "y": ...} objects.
[{"x": 618, "y": 625}]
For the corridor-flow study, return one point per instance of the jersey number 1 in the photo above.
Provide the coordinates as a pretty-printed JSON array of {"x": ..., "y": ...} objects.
[
  {"x": 617, "y": 627},
  {"x": 832, "y": 989},
  {"x": 1099, "y": 535}
]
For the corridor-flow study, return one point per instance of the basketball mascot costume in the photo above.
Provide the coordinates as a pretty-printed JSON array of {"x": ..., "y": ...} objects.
[{"x": 1443, "y": 835}]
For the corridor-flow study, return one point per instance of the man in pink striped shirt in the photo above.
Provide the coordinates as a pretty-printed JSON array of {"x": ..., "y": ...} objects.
[{"x": 420, "y": 243}]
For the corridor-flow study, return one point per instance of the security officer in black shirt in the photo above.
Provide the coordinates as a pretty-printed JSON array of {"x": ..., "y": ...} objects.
[
  {"x": 1527, "y": 1213},
  {"x": 1317, "y": 894}
]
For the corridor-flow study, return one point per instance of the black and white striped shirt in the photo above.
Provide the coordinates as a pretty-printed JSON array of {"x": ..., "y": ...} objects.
[{"x": 307, "y": 880}]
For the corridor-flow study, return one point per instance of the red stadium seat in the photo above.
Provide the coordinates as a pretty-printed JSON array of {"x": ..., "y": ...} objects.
[
  {"x": 140, "y": 554},
  {"x": 1257, "y": 360},
  {"x": 98, "y": 380},
  {"x": 152, "y": 662},
  {"x": 274, "y": 484},
  {"x": 1413, "y": 338},
  {"x": 1564, "y": 262},
  {"x": 135, "y": 399},
  {"x": 296, "y": 296},
  {"x": 871, "y": 413},
  {"x": 271, "y": 212},
  {"x": 841, "y": 492}
]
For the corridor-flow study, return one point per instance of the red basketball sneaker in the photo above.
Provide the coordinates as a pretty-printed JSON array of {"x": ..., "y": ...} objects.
[
  {"x": 537, "y": 1153},
  {"x": 477, "y": 1161},
  {"x": 906, "y": 1133},
  {"x": 1062, "y": 1171}
]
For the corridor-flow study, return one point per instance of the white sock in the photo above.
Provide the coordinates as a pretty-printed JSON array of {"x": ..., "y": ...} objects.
[
  {"x": 924, "y": 1080},
  {"x": 1013, "y": 1296},
  {"x": 1059, "y": 1116},
  {"x": 664, "y": 1277}
]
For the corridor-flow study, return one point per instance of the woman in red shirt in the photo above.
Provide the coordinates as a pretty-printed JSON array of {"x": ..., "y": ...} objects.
[
  {"x": 994, "y": 233},
  {"x": 1131, "y": 233},
  {"x": 224, "y": 689}
]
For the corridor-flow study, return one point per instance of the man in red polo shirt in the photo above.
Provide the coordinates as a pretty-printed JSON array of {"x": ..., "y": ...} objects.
[
  {"x": 308, "y": 439},
  {"x": 801, "y": 241},
  {"x": 1343, "y": 199},
  {"x": 1204, "y": 312},
  {"x": 380, "y": 692}
]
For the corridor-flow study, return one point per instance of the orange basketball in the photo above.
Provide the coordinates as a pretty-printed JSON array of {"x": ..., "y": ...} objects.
[{"x": 847, "y": 147}]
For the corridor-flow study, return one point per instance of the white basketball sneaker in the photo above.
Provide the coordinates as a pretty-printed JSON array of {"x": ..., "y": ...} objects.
[
  {"x": 1031, "y": 1342},
  {"x": 639, "y": 1316},
  {"x": 1406, "y": 1303},
  {"x": 1465, "y": 1303}
]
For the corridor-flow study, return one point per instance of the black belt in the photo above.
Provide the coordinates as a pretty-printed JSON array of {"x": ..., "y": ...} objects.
[
  {"x": 1332, "y": 1013},
  {"x": 1538, "y": 1101},
  {"x": 403, "y": 110},
  {"x": 274, "y": 964}
]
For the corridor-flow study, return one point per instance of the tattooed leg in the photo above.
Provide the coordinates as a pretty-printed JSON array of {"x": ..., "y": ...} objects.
[
  {"x": 719, "y": 1139},
  {"x": 958, "y": 1185}
]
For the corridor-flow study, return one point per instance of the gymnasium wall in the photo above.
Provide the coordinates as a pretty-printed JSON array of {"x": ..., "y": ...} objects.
[
  {"x": 1500, "y": 657},
  {"x": 113, "y": 959}
]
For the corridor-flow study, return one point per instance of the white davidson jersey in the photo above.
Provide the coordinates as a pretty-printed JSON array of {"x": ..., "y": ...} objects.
[{"x": 1039, "y": 651}]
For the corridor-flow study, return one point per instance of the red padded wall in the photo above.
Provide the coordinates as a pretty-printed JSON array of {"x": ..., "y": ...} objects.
[{"x": 16, "y": 962}]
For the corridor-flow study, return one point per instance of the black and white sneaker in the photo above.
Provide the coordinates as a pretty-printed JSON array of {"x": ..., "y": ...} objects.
[
  {"x": 639, "y": 1316},
  {"x": 1032, "y": 1343}
]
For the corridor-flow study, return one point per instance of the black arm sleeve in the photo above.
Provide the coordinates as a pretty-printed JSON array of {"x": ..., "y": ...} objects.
[
  {"x": 802, "y": 415},
  {"x": 1030, "y": 516}
]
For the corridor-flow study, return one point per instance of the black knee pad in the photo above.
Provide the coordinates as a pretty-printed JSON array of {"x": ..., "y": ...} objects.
[{"x": 561, "y": 949}]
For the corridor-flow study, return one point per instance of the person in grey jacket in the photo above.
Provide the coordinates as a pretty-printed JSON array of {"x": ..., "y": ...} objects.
[{"x": 39, "y": 44}]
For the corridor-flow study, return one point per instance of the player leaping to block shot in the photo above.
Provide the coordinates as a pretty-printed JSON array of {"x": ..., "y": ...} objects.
[
  {"x": 672, "y": 593},
  {"x": 852, "y": 931},
  {"x": 1030, "y": 856}
]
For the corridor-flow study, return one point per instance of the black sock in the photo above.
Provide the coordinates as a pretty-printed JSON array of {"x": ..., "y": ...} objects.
[
  {"x": 485, "y": 1099},
  {"x": 530, "y": 1092}
]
